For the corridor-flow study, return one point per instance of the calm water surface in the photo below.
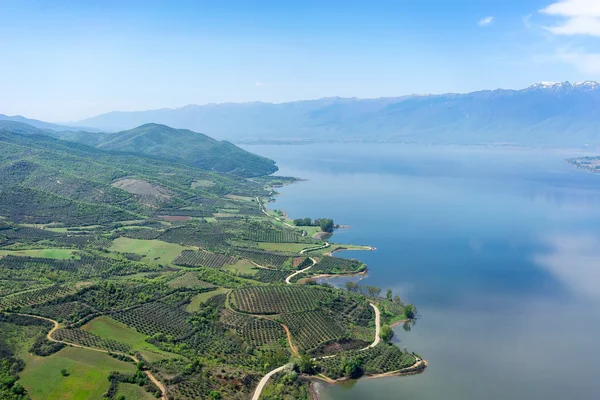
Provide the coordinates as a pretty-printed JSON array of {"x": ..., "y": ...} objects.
[{"x": 498, "y": 248}]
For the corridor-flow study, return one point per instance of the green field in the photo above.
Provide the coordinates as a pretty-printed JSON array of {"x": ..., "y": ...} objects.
[
  {"x": 242, "y": 267},
  {"x": 62, "y": 254},
  {"x": 133, "y": 392},
  {"x": 202, "y": 297},
  {"x": 155, "y": 251},
  {"x": 108, "y": 328},
  {"x": 88, "y": 371}
]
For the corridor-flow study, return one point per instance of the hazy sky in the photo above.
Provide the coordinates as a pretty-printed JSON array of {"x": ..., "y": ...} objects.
[{"x": 67, "y": 60}]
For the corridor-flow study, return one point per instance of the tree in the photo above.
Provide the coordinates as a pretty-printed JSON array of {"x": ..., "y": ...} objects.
[
  {"x": 64, "y": 372},
  {"x": 306, "y": 365},
  {"x": 215, "y": 395},
  {"x": 386, "y": 333},
  {"x": 351, "y": 286},
  {"x": 397, "y": 299},
  {"x": 326, "y": 224},
  {"x": 307, "y": 221},
  {"x": 410, "y": 311},
  {"x": 373, "y": 291},
  {"x": 352, "y": 367},
  {"x": 388, "y": 294},
  {"x": 299, "y": 222}
]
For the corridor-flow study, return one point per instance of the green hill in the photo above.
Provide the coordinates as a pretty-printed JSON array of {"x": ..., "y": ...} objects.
[
  {"x": 196, "y": 148},
  {"x": 44, "y": 179}
]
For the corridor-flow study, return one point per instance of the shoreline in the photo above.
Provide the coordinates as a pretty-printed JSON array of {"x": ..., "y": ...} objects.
[
  {"x": 417, "y": 368},
  {"x": 420, "y": 364}
]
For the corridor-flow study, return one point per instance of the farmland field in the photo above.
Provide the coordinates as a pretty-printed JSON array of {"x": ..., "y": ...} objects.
[
  {"x": 283, "y": 247},
  {"x": 88, "y": 371},
  {"x": 202, "y": 258},
  {"x": 107, "y": 328},
  {"x": 62, "y": 254},
  {"x": 154, "y": 251},
  {"x": 194, "y": 304},
  {"x": 132, "y": 391},
  {"x": 276, "y": 299}
]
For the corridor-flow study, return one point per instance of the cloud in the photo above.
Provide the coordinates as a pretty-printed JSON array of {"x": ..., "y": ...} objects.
[
  {"x": 580, "y": 17},
  {"x": 486, "y": 21},
  {"x": 258, "y": 84},
  {"x": 588, "y": 63}
]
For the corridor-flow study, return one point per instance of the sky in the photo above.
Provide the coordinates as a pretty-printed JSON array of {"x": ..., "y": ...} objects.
[{"x": 67, "y": 60}]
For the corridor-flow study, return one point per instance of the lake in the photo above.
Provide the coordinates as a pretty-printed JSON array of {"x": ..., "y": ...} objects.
[{"x": 499, "y": 249}]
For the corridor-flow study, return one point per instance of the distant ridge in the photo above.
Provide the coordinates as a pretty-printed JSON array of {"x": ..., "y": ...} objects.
[
  {"x": 543, "y": 114},
  {"x": 41, "y": 124}
]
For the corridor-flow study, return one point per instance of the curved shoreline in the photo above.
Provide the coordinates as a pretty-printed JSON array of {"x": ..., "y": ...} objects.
[{"x": 418, "y": 367}]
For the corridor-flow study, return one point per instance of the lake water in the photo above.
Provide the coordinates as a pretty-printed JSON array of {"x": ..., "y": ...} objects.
[{"x": 498, "y": 248}]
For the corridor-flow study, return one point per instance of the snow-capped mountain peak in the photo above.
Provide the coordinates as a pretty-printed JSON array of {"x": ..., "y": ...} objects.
[{"x": 561, "y": 86}]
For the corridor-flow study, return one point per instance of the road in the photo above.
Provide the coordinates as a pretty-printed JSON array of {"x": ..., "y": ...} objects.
[
  {"x": 264, "y": 380},
  {"x": 287, "y": 280},
  {"x": 162, "y": 387},
  {"x": 377, "y": 327},
  {"x": 262, "y": 208}
]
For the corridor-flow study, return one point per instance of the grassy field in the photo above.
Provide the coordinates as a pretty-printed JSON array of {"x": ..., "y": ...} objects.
[
  {"x": 88, "y": 371},
  {"x": 108, "y": 328},
  {"x": 133, "y": 392},
  {"x": 202, "y": 297},
  {"x": 155, "y": 251},
  {"x": 242, "y": 267},
  {"x": 61, "y": 254}
]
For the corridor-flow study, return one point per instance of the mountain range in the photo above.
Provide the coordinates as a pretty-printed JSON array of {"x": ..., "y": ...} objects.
[
  {"x": 547, "y": 114},
  {"x": 544, "y": 114}
]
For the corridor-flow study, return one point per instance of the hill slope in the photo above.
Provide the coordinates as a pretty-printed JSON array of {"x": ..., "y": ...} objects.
[
  {"x": 552, "y": 114},
  {"x": 44, "y": 179},
  {"x": 196, "y": 148}
]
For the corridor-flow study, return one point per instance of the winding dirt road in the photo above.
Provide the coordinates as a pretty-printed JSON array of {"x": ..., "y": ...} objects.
[
  {"x": 377, "y": 327},
  {"x": 287, "y": 280},
  {"x": 262, "y": 208},
  {"x": 162, "y": 387},
  {"x": 264, "y": 380}
]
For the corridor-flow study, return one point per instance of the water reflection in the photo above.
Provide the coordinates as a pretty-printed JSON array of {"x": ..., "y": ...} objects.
[
  {"x": 458, "y": 234},
  {"x": 575, "y": 260}
]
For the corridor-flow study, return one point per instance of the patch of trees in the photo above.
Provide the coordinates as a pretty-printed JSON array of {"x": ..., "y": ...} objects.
[
  {"x": 386, "y": 333},
  {"x": 326, "y": 224},
  {"x": 10, "y": 367}
]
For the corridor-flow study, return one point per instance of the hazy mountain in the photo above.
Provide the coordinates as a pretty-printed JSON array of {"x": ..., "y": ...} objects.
[
  {"x": 553, "y": 114},
  {"x": 40, "y": 124}
]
